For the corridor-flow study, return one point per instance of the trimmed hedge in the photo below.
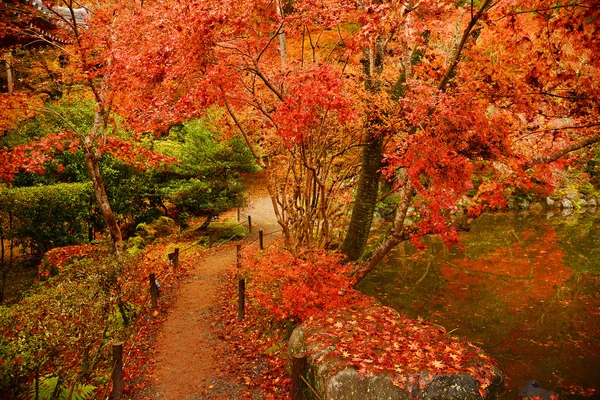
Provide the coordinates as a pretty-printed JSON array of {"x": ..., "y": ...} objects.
[{"x": 43, "y": 217}]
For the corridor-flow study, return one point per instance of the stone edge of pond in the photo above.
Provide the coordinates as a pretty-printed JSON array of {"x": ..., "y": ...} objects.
[
  {"x": 337, "y": 374},
  {"x": 571, "y": 200}
]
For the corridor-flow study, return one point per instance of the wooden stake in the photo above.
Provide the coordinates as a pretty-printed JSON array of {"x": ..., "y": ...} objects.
[
  {"x": 298, "y": 369},
  {"x": 153, "y": 291},
  {"x": 260, "y": 239},
  {"x": 249, "y": 224},
  {"x": 117, "y": 373},
  {"x": 241, "y": 298}
]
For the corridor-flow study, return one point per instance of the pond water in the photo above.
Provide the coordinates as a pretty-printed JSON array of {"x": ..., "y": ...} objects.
[{"x": 525, "y": 288}]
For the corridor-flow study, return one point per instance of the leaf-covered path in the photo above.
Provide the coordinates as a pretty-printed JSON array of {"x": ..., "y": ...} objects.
[{"x": 186, "y": 349}]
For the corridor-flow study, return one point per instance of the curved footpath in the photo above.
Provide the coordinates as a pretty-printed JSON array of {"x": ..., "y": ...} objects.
[{"x": 185, "y": 347}]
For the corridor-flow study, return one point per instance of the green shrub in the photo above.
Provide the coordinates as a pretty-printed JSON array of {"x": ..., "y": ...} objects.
[
  {"x": 223, "y": 231},
  {"x": 207, "y": 181},
  {"x": 586, "y": 188},
  {"x": 148, "y": 232},
  {"x": 44, "y": 217}
]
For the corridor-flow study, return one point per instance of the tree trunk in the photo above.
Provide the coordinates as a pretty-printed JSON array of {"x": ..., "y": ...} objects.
[
  {"x": 364, "y": 203},
  {"x": 10, "y": 80},
  {"x": 91, "y": 156},
  {"x": 91, "y": 163},
  {"x": 376, "y": 62},
  {"x": 368, "y": 181},
  {"x": 4, "y": 268},
  {"x": 206, "y": 223},
  {"x": 282, "y": 37},
  {"x": 398, "y": 233},
  {"x": 6, "y": 264}
]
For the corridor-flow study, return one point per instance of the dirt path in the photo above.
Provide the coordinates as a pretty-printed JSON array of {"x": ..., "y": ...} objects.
[{"x": 186, "y": 347}]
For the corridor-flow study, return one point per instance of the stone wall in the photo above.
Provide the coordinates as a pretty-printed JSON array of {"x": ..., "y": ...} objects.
[{"x": 339, "y": 375}]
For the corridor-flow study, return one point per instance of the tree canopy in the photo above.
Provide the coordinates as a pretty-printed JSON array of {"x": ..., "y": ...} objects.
[{"x": 444, "y": 98}]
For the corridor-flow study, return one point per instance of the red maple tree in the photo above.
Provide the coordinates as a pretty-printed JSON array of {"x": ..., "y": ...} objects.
[
  {"x": 434, "y": 92},
  {"x": 87, "y": 44},
  {"x": 329, "y": 95}
]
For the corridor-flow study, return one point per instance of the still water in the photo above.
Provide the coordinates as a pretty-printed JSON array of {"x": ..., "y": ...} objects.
[{"x": 525, "y": 288}]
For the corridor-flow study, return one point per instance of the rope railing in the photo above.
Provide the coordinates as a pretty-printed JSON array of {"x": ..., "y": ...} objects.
[
  {"x": 230, "y": 239},
  {"x": 310, "y": 387},
  {"x": 173, "y": 260},
  {"x": 171, "y": 266},
  {"x": 273, "y": 232}
]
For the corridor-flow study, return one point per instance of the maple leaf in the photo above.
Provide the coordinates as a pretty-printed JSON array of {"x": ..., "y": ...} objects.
[{"x": 437, "y": 364}]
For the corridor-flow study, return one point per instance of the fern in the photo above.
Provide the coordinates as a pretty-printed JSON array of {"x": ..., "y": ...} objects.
[{"x": 51, "y": 388}]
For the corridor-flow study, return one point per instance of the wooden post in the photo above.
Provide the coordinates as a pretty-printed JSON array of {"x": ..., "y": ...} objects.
[
  {"x": 37, "y": 383},
  {"x": 241, "y": 298},
  {"x": 249, "y": 224},
  {"x": 260, "y": 239},
  {"x": 238, "y": 249},
  {"x": 117, "y": 373},
  {"x": 176, "y": 258},
  {"x": 239, "y": 214},
  {"x": 298, "y": 369},
  {"x": 153, "y": 290}
]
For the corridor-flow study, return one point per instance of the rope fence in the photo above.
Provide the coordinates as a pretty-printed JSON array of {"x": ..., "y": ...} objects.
[
  {"x": 173, "y": 259},
  {"x": 172, "y": 264}
]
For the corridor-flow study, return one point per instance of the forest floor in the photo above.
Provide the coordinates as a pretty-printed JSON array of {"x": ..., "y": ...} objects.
[{"x": 187, "y": 356}]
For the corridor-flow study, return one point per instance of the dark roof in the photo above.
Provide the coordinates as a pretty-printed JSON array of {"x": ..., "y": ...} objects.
[
  {"x": 58, "y": 13},
  {"x": 24, "y": 21}
]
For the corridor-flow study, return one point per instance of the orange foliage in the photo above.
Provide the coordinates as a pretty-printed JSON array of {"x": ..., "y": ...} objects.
[
  {"x": 256, "y": 360},
  {"x": 57, "y": 258},
  {"x": 34, "y": 156},
  {"x": 377, "y": 340},
  {"x": 296, "y": 286},
  {"x": 15, "y": 107}
]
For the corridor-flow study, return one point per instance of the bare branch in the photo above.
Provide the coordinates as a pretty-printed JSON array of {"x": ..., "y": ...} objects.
[
  {"x": 463, "y": 41},
  {"x": 564, "y": 151},
  {"x": 242, "y": 130}
]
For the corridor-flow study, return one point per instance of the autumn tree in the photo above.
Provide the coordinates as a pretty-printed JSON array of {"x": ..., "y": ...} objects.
[
  {"x": 442, "y": 98},
  {"x": 83, "y": 41},
  {"x": 491, "y": 112}
]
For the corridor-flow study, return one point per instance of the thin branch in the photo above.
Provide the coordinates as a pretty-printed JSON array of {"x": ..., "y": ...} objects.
[
  {"x": 564, "y": 151},
  {"x": 471, "y": 9},
  {"x": 552, "y": 95},
  {"x": 266, "y": 81},
  {"x": 537, "y": 10},
  {"x": 463, "y": 41},
  {"x": 266, "y": 46},
  {"x": 242, "y": 130},
  {"x": 562, "y": 128}
]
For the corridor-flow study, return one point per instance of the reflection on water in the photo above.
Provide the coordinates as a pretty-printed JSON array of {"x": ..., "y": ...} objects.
[{"x": 525, "y": 288}]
